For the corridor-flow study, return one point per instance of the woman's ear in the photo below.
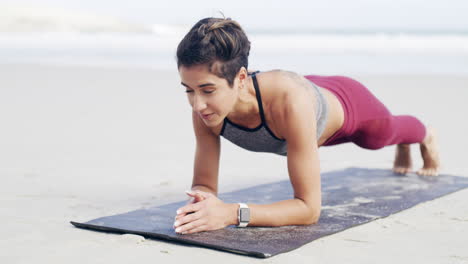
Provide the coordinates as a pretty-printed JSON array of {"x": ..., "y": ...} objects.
[{"x": 242, "y": 75}]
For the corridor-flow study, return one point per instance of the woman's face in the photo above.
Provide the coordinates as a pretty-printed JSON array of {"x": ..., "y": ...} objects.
[{"x": 209, "y": 95}]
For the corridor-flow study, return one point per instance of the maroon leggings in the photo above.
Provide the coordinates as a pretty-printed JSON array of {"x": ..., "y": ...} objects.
[{"x": 367, "y": 122}]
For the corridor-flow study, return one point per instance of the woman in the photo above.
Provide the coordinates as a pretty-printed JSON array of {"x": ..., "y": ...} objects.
[{"x": 280, "y": 112}]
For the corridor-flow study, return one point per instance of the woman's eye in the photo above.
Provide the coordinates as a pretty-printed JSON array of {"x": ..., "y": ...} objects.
[{"x": 191, "y": 91}]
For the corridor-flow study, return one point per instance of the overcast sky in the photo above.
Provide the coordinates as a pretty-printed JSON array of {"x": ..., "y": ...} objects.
[{"x": 344, "y": 14}]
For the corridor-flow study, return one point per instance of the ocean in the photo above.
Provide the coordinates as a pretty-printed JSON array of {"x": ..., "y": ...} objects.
[
  {"x": 307, "y": 36},
  {"x": 307, "y": 53}
]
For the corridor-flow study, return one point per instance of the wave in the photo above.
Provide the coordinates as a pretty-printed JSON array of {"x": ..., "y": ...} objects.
[
  {"x": 307, "y": 53},
  {"x": 168, "y": 36},
  {"x": 34, "y": 19},
  {"x": 362, "y": 43},
  {"x": 16, "y": 18}
]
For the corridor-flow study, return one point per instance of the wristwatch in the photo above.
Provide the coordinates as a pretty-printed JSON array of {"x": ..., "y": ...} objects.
[{"x": 243, "y": 215}]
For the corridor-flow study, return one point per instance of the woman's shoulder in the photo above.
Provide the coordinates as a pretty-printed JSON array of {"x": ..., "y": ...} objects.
[
  {"x": 281, "y": 88},
  {"x": 279, "y": 85},
  {"x": 283, "y": 81},
  {"x": 277, "y": 74}
]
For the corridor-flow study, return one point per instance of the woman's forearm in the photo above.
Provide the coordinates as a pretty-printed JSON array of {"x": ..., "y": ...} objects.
[
  {"x": 204, "y": 189},
  {"x": 287, "y": 212}
]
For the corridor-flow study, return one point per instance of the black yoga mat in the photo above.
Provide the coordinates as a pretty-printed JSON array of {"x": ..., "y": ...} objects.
[{"x": 349, "y": 197}]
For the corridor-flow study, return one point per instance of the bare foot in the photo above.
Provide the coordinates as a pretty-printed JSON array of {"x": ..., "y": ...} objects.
[
  {"x": 402, "y": 163},
  {"x": 430, "y": 154}
]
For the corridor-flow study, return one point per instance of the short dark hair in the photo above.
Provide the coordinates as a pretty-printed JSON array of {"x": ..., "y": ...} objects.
[{"x": 219, "y": 42}]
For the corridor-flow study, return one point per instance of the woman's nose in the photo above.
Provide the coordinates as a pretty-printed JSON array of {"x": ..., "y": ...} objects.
[{"x": 198, "y": 104}]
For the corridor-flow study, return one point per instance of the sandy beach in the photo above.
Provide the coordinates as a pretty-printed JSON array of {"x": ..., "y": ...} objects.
[{"x": 77, "y": 143}]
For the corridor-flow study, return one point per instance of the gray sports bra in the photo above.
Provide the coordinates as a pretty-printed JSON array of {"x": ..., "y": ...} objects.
[{"x": 261, "y": 138}]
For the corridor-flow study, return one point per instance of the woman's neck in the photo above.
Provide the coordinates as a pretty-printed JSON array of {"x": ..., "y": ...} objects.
[{"x": 246, "y": 106}]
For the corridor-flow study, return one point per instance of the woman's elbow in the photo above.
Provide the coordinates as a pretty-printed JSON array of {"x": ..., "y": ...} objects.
[{"x": 313, "y": 217}]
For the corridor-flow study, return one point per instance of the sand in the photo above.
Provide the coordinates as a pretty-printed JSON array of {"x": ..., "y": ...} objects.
[{"x": 78, "y": 143}]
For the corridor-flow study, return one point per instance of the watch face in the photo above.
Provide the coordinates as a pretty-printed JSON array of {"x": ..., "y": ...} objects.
[{"x": 244, "y": 214}]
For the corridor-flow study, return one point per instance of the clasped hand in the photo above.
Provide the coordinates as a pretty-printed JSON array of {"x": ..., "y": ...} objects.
[{"x": 203, "y": 212}]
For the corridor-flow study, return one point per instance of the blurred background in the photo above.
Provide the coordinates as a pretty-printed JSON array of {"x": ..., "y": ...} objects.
[{"x": 309, "y": 36}]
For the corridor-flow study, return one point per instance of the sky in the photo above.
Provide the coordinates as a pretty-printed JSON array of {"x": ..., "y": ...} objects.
[{"x": 273, "y": 14}]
